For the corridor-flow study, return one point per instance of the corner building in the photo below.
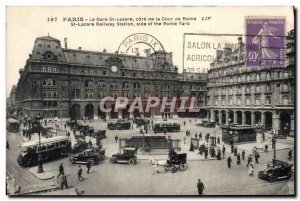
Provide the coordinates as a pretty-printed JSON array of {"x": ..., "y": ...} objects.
[{"x": 256, "y": 96}]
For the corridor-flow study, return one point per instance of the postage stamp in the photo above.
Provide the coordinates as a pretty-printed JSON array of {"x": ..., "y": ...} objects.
[{"x": 265, "y": 41}]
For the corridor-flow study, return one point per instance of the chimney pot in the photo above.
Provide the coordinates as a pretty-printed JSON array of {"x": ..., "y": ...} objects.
[{"x": 66, "y": 43}]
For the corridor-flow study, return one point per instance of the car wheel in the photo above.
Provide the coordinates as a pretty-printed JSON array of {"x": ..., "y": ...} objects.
[
  {"x": 112, "y": 160},
  {"x": 92, "y": 162},
  {"x": 272, "y": 179},
  {"x": 183, "y": 167},
  {"x": 72, "y": 160},
  {"x": 173, "y": 169},
  {"x": 260, "y": 174},
  {"x": 131, "y": 162}
]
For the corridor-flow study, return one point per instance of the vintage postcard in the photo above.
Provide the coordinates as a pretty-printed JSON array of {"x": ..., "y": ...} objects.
[{"x": 150, "y": 101}]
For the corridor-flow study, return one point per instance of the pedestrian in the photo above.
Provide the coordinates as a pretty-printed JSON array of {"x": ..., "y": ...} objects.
[
  {"x": 200, "y": 136},
  {"x": 155, "y": 166},
  {"x": 88, "y": 166},
  {"x": 219, "y": 155},
  {"x": 218, "y": 140},
  {"x": 250, "y": 169},
  {"x": 249, "y": 159},
  {"x": 184, "y": 123},
  {"x": 64, "y": 181},
  {"x": 266, "y": 148},
  {"x": 184, "y": 139},
  {"x": 243, "y": 154},
  {"x": 200, "y": 187},
  {"x": 232, "y": 148},
  {"x": 116, "y": 138},
  {"x": 79, "y": 174},
  {"x": 7, "y": 144},
  {"x": 61, "y": 170},
  {"x": 206, "y": 152},
  {"x": 90, "y": 143},
  {"x": 229, "y": 162},
  {"x": 290, "y": 154},
  {"x": 256, "y": 157},
  {"x": 223, "y": 150},
  {"x": 196, "y": 136},
  {"x": 235, "y": 150},
  {"x": 68, "y": 133},
  {"x": 187, "y": 133},
  {"x": 190, "y": 121},
  {"x": 238, "y": 159},
  {"x": 65, "y": 126}
]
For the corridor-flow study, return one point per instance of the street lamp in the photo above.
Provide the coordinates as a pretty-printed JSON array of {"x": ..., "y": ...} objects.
[
  {"x": 274, "y": 145},
  {"x": 37, "y": 128}
]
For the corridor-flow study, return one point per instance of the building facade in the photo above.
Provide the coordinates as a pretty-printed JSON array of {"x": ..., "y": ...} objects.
[
  {"x": 62, "y": 82},
  {"x": 261, "y": 95}
]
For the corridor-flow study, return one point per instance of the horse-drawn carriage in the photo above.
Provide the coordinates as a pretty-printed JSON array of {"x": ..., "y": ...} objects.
[{"x": 175, "y": 163}]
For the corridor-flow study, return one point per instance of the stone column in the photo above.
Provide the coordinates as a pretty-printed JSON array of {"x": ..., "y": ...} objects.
[
  {"x": 292, "y": 126},
  {"x": 275, "y": 121},
  {"x": 220, "y": 117},
  {"x": 212, "y": 116},
  {"x": 120, "y": 112},
  {"x": 252, "y": 119},
  {"x": 108, "y": 115},
  {"x": 234, "y": 117},
  {"x": 263, "y": 119},
  {"x": 227, "y": 118},
  {"x": 243, "y": 118}
]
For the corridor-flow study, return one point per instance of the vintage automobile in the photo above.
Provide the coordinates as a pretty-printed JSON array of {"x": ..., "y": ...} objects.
[
  {"x": 99, "y": 134},
  {"x": 71, "y": 122},
  {"x": 119, "y": 125},
  {"x": 160, "y": 127},
  {"x": 128, "y": 156},
  {"x": 276, "y": 170},
  {"x": 13, "y": 125},
  {"x": 206, "y": 124},
  {"x": 91, "y": 156},
  {"x": 80, "y": 146},
  {"x": 140, "y": 121}
]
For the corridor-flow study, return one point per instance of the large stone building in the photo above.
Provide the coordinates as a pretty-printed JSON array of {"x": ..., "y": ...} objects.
[
  {"x": 62, "y": 82},
  {"x": 261, "y": 95}
]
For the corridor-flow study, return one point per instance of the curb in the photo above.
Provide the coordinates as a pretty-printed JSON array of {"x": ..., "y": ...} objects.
[{"x": 50, "y": 176}]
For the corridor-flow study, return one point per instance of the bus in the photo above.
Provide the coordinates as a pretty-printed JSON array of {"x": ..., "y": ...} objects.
[{"x": 51, "y": 148}]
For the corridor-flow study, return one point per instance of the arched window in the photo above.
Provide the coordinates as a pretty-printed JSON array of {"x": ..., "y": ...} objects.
[
  {"x": 268, "y": 100},
  {"x": 268, "y": 75},
  {"x": 136, "y": 85},
  {"x": 248, "y": 101},
  {"x": 239, "y": 101},
  {"x": 268, "y": 87},
  {"x": 257, "y": 100},
  {"x": 248, "y": 78},
  {"x": 247, "y": 89},
  {"x": 239, "y": 79},
  {"x": 257, "y": 77},
  {"x": 285, "y": 100},
  {"x": 257, "y": 88},
  {"x": 285, "y": 87},
  {"x": 239, "y": 90}
]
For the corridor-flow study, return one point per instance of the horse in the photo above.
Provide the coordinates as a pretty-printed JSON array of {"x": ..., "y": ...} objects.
[{"x": 163, "y": 163}]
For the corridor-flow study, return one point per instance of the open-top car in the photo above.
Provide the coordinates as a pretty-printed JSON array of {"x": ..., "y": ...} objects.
[
  {"x": 99, "y": 134},
  {"x": 91, "y": 156},
  {"x": 276, "y": 170},
  {"x": 128, "y": 156}
]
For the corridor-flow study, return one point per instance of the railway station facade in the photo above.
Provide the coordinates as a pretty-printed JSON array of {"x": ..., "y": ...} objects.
[{"x": 62, "y": 82}]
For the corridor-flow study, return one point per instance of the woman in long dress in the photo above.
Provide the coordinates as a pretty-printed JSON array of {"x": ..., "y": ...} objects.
[
  {"x": 250, "y": 169},
  {"x": 262, "y": 38}
]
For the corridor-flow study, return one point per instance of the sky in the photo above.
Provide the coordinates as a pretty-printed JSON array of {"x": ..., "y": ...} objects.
[{"x": 25, "y": 24}]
